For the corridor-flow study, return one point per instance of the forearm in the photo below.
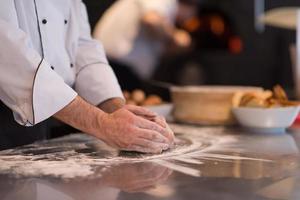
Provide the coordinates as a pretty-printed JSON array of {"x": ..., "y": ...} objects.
[
  {"x": 81, "y": 115},
  {"x": 121, "y": 129}
]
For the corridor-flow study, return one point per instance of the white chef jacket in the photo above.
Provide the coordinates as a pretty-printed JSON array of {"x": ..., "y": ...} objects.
[
  {"x": 47, "y": 57},
  {"x": 124, "y": 39}
]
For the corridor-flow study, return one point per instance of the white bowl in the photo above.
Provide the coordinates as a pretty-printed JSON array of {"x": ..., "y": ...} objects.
[
  {"x": 266, "y": 118},
  {"x": 162, "y": 110}
]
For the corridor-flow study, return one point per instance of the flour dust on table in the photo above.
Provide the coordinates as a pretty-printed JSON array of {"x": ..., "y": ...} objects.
[{"x": 80, "y": 155}]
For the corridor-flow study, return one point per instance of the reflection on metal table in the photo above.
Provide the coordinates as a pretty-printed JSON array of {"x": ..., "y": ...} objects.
[{"x": 206, "y": 163}]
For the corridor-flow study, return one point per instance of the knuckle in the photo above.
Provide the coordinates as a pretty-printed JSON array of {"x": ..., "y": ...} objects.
[
  {"x": 155, "y": 127},
  {"x": 161, "y": 132},
  {"x": 153, "y": 136}
]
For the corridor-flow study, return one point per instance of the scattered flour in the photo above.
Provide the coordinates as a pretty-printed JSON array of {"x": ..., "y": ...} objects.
[{"x": 81, "y": 155}]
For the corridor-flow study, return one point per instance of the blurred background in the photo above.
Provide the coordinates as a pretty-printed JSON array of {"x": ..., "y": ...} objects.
[{"x": 228, "y": 46}]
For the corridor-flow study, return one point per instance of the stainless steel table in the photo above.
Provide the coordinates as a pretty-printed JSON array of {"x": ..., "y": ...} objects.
[{"x": 207, "y": 163}]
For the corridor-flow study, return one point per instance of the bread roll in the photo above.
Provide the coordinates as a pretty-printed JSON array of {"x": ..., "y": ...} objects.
[
  {"x": 138, "y": 96},
  {"x": 152, "y": 100}
]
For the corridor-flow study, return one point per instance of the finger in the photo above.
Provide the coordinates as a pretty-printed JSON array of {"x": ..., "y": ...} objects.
[
  {"x": 160, "y": 121},
  {"x": 171, "y": 135},
  {"x": 149, "y": 125},
  {"x": 153, "y": 136},
  {"x": 140, "y": 111},
  {"x": 166, "y": 132},
  {"x": 157, "y": 119}
]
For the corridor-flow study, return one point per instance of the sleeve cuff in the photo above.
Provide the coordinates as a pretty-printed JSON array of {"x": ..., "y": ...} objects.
[
  {"x": 97, "y": 83},
  {"x": 50, "y": 94}
]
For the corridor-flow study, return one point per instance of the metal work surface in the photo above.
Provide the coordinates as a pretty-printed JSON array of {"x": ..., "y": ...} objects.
[{"x": 206, "y": 163}]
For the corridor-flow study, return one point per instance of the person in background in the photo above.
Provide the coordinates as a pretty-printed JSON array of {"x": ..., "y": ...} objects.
[
  {"x": 51, "y": 67},
  {"x": 136, "y": 33}
]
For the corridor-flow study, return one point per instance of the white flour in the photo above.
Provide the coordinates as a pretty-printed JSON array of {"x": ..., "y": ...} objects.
[{"x": 200, "y": 145}]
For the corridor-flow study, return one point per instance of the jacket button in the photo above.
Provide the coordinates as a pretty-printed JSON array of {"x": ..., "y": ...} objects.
[
  {"x": 66, "y": 21},
  {"x": 52, "y": 67},
  {"x": 44, "y": 21},
  {"x": 71, "y": 65}
]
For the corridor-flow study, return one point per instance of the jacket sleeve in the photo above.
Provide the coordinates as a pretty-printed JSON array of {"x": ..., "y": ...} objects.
[
  {"x": 28, "y": 86},
  {"x": 95, "y": 79}
]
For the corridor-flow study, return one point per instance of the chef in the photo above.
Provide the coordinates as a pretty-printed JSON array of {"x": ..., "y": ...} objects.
[
  {"x": 50, "y": 66},
  {"x": 136, "y": 40}
]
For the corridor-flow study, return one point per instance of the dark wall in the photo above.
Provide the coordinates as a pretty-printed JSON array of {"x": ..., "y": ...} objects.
[
  {"x": 265, "y": 60},
  {"x": 96, "y": 8}
]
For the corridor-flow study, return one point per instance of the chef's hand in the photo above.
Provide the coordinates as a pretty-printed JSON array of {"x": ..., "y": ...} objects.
[
  {"x": 121, "y": 129},
  {"x": 126, "y": 131},
  {"x": 114, "y": 104},
  {"x": 182, "y": 38},
  {"x": 149, "y": 115},
  {"x": 111, "y": 105}
]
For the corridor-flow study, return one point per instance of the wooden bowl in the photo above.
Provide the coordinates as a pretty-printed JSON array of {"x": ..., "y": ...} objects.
[{"x": 207, "y": 105}]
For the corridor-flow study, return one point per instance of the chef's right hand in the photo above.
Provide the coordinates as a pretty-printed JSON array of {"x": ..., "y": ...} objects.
[{"x": 127, "y": 131}]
